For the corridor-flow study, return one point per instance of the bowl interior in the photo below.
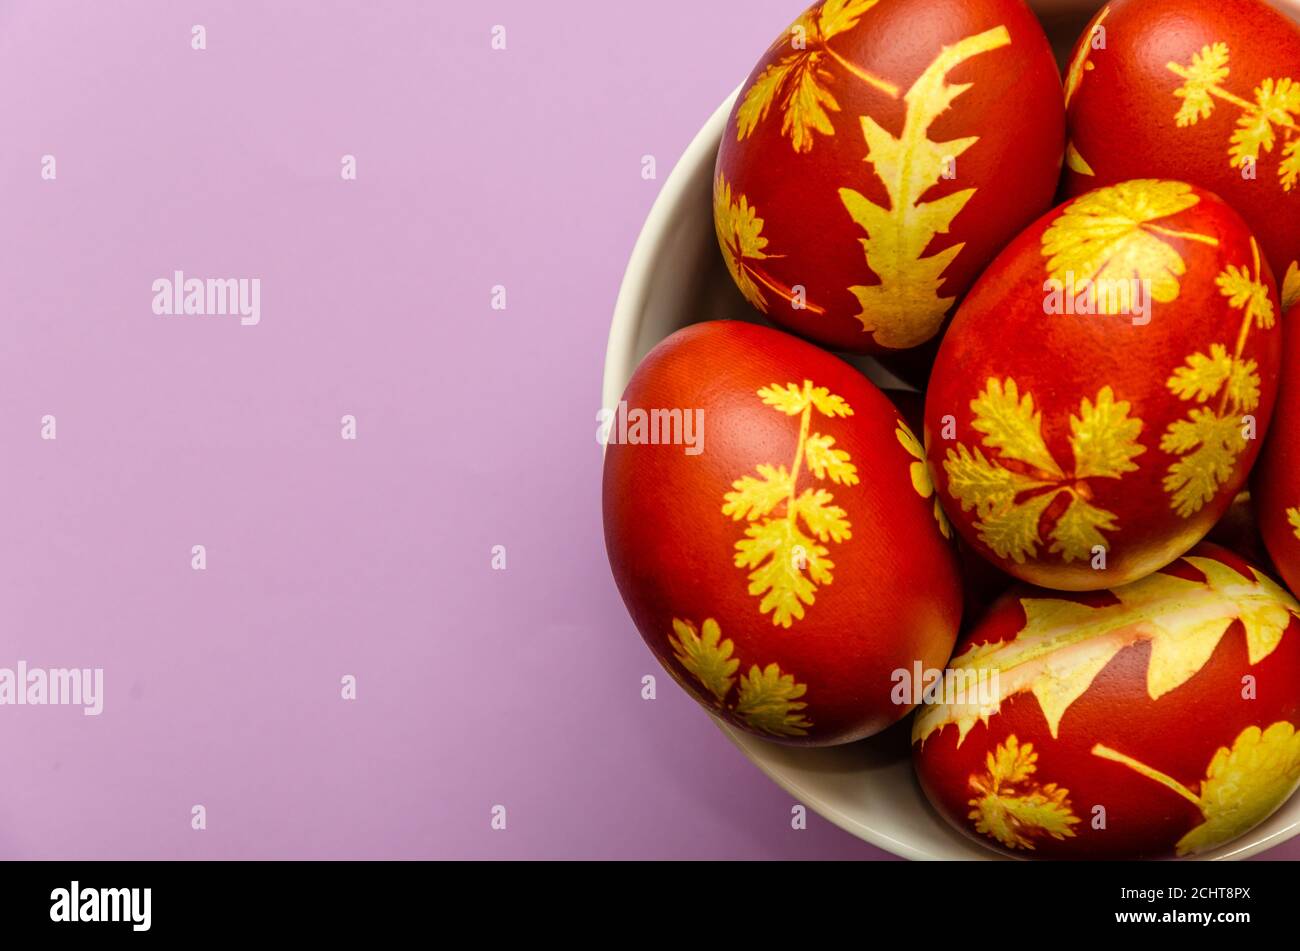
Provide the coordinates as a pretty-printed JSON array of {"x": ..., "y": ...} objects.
[{"x": 676, "y": 277}]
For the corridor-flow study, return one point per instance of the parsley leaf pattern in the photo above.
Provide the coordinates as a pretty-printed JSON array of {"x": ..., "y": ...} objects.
[
  {"x": 767, "y": 701},
  {"x": 744, "y": 248},
  {"x": 799, "y": 83},
  {"x": 1110, "y": 237},
  {"x": 788, "y": 530},
  {"x": 1243, "y": 785},
  {"x": 1012, "y": 488},
  {"x": 1275, "y": 106},
  {"x": 1209, "y": 440},
  {"x": 1011, "y": 806}
]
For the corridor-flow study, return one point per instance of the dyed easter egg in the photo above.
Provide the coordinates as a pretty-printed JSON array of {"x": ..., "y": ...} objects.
[
  {"x": 785, "y": 561},
  {"x": 1207, "y": 93},
  {"x": 981, "y": 582},
  {"x": 1275, "y": 483},
  {"x": 1103, "y": 390},
  {"x": 878, "y": 156},
  {"x": 1155, "y": 720}
]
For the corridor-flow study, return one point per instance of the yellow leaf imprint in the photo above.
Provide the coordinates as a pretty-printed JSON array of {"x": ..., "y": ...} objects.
[
  {"x": 1242, "y": 787},
  {"x": 705, "y": 656},
  {"x": 1065, "y": 644},
  {"x": 1276, "y": 103},
  {"x": 904, "y": 309},
  {"x": 1012, "y": 490},
  {"x": 1291, "y": 286},
  {"x": 740, "y": 234},
  {"x": 1080, "y": 64},
  {"x": 1207, "y": 70},
  {"x": 1012, "y": 807},
  {"x": 1076, "y": 162},
  {"x": 1293, "y": 516},
  {"x": 767, "y": 701},
  {"x": 1209, "y": 441},
  {"x": 1108, "y": 238},
  {"x": 920, "y": 473},
  {"x": 785, "y": 541},
  {"x": 799, "y": 82}
]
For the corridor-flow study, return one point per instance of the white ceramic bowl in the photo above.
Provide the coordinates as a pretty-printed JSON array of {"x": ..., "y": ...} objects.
[{"x": 676, "y": 277}]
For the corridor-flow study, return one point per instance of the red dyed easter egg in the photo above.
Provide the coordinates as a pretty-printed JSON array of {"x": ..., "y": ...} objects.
[
  {"x": 878, "y": 157},
  {"x": 1156, "y": 720},
  {"x": 789, "y": 557},
  {"x": 1207, "y": 93},
  {"x": 1103, "y": 390}
]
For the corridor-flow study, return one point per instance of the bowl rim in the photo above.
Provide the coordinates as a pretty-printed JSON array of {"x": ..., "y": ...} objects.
[
  {"x": 815, "y": 801},
  {"x": 633, "y": 291}
]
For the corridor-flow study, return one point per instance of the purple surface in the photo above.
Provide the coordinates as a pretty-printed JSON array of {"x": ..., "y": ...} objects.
[{"x": 329, "y": 557}]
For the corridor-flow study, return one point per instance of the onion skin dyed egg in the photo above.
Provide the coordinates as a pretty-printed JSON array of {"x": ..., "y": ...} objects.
[
  {"x": 1275, "y": 483},
  {"x": 981, "y": 582},
  {"x": 1158, "y": 720},
  {"x": 878, "y": 156},
  {"x": 787, "y": 570},
  {"x": 1105, "y": 387},
  {"x": 1201, "y": 92}
]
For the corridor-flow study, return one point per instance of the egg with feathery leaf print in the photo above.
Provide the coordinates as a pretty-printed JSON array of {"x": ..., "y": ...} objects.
[
  {"x": 1061, "y": 728},
  {"x": 786, "y": 557},
  {"x": 879, "y": 155},
  {"x": 1105, "y": 387},
  {"x": 1207, "y": 93}
]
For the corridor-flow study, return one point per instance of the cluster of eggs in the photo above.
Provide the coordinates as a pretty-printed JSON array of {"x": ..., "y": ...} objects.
[{"x": 1016, "y": 557}]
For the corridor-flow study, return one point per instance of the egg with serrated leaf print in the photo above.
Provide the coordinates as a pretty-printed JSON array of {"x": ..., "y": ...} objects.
[
  {"x": 1208, "y": 93},
  {"x": 879, "y": 155},
  {"x": 1159, "y": 719},
  {"x": 1102, "y": 392},
  {"x": 773, "y": 530}
]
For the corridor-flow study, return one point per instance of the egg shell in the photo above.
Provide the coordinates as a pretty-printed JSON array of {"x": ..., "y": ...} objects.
[
  {"x": 1159, "y": 89},
  {"x": 879, "y": 155},
  {"x": 874, "y": 588},
  {"x": 981, "y": 582},
  {"x": 1174, "y": 706},
  {"x": 1085, "y": 450},
  {"x": 1275, "y": 483}
]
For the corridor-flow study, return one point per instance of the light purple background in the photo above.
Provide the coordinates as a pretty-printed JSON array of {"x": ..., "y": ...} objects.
[{"x": 327, "y": 557}]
